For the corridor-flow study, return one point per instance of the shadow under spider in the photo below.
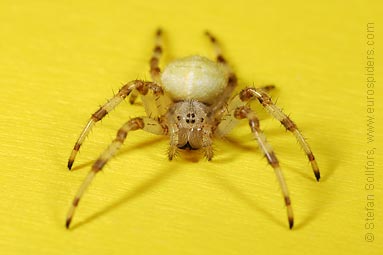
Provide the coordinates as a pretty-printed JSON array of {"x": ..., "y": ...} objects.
[
  {"x": 131, "y": 147},
  {"x": 245, "y": 198},
  {"x": 190, "y": 156},
  {"x": 134, "y": 193}
]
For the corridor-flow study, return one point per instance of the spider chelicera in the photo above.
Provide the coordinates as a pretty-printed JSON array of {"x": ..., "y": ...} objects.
[{"x": 191, "y": 102}]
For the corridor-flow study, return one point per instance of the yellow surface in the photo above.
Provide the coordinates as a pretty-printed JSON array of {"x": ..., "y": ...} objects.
[{"x": 61, "y": 59}]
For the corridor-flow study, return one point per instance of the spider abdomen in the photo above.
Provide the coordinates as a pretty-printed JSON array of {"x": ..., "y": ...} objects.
[{"x": 194, "y": 78}]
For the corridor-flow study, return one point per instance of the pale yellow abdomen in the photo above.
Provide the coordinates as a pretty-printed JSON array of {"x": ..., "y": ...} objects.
[{"x": 194, "y": 77}]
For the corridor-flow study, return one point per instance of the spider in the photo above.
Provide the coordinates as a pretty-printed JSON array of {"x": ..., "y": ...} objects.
[{"x": 191, "y": 102}]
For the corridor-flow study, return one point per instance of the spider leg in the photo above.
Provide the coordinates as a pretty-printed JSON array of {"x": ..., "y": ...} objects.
[
  {"x": 245, "y": 112},
  {"x": 145, "y": 123},
  {"x": 225, "y": 115},
  {"x": 267, "y": 88},
  {"x": 217, "y": 49},
  {"x": 141, "y": 86},
  {"x": 173, "y": 133},
  {"x": 155, "y": 71},
  {"x": 232, "y": 78},
  {"x": 252, "y": 93},
  {"x": 207, "y": 143}
]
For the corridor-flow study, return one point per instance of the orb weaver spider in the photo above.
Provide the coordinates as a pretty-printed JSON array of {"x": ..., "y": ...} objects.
[{"x": 191, "y": 102}]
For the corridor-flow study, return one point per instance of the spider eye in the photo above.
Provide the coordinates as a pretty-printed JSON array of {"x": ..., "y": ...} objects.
[{"x": 178, "y": 117}]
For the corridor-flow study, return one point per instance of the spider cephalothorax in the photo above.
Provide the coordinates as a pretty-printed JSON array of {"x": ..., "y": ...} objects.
[
  {"x": 187, "y": 121},
  {"x": 191, "y": 102}
]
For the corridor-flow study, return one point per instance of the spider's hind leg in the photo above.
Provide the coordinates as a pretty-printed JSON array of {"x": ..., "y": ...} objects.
[
  {"x": 232, "y": 80},
  {"x": 217, "y": 49},
  {"x": 155, "y": 70}
]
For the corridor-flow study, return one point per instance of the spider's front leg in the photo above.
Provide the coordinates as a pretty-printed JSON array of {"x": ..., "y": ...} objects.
[
  {"x": 145, "y": 123},
  {"x": 252, "y": 93},
  {"x": 243, "y": 112},
  {"x": 136, "y": 86}
]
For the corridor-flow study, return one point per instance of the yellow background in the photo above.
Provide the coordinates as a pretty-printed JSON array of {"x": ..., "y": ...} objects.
[{"x": 59, "y": 60}]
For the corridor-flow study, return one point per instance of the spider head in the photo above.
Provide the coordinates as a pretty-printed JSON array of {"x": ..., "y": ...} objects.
[{"x": 190, "y": 118}]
